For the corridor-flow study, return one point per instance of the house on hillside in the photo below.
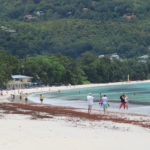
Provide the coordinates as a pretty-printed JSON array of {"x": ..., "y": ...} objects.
[
  {"x": 39, "y": 13},
  {"x": 11, "y": 31},
  {"x": 143, "y": 58},
  {"x": 29, "y": 17},
  {"x": 101, "y": 56},
  {"x": 6, "y": 29},
  {"x": 114, "y": 57},
  {"x": 18, "y": 81},
  {"x": 3, "y": 27},
  {"x": 85, "y": 10},
  {"x": 129, "y": 16}
]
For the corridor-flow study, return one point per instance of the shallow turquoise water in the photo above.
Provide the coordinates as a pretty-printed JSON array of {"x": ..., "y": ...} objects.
[{"x": 137, "y": 93}]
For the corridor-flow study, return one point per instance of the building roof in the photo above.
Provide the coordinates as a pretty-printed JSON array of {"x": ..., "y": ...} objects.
[
  {"x": 20, "y": 77},
  {"x": 144, "y": 57}
]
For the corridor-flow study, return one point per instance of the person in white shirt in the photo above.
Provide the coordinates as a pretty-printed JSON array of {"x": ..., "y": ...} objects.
[
  {"x": 105, "y": 103},
  {"x": 90, "y": 101}
]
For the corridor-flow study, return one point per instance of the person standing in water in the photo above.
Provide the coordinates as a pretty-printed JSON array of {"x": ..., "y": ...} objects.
[
  {"x": 90, "y": 101},
  {"x": 105, "y": 103},
  {"x": 41, "y": 98}
]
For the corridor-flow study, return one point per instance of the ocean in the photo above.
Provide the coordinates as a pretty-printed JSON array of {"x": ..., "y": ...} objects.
[{"x": 138, "y": 94}]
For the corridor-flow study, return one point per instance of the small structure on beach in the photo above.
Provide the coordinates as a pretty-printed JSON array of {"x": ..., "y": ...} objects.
[{"x": 19, "y": 81}]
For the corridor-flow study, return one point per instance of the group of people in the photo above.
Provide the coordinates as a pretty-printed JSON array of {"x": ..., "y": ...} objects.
[
  {"x": 25, "y": 97},
  {"x": 103, "y": 102},
  {"x": 21, "y": 96}
]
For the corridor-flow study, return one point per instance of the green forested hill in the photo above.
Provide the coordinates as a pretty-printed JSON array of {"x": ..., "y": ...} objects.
[
  {"x": 72, "y": 27},
  {"x": 83, "y": 9}
]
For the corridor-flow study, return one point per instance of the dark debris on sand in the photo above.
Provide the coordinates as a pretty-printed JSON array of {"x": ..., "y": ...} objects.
[{"x": 43, "y": 111}]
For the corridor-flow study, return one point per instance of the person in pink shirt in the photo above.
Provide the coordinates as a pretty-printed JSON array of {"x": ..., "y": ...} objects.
[
  {"x": 126, "y": 102},
  {"x": 100, "y": 101}
]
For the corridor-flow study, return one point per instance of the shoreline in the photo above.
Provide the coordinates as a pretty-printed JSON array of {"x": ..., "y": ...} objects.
[
  {"x": 63, "y": 87},
  {"x": 37, "y": 90}
]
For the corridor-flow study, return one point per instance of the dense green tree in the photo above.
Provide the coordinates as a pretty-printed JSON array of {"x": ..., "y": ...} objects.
[
  {"x": 44, "y": 68},
  {"x": 106, "y": 70},
  {"x": 51, "y": 69},
  {"x": 8, "y": 65},
  {"x": 72, "y": 27},
  {"x": 36, "y": 30}
]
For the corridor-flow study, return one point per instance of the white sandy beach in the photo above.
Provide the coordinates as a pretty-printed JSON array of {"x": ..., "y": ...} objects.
[{"x": 20, "y": 132}]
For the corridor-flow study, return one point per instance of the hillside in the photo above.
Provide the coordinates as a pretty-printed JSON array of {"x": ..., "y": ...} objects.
[
  {"x": 72, "y": 27},
  {"x": 83, "y": 9}
]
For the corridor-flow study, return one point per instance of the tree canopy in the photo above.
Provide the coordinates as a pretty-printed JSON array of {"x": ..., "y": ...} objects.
[
  {"x": 59, "y": 41},
  {"x": 73, "y": 27}
]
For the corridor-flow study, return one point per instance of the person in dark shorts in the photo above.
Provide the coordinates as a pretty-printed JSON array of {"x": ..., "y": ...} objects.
[
  {"x": 41, "y": 98},
  {"x": 20, "y": 96},
  {"x": 26, "y": 98},
  {"x": 13, "y": 97}
]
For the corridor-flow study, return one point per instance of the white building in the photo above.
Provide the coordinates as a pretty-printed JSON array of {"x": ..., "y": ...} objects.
[
  {"x": 114, "y": 57},
  {"x": 19, "y": 81},
  {"x": 101, "y": 56},
  {"x": 143, "y": 58}
]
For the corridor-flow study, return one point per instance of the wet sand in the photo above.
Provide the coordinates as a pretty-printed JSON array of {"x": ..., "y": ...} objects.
[{"x": 34, "y": 111}]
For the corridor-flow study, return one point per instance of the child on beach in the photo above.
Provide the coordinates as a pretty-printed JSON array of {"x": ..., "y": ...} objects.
[
  {"x": 126, "y": 102},
  {"x": 100, "y": 101}
]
